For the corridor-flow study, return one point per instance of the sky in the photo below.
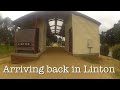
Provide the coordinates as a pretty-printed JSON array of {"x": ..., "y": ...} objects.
[{"x": 106, "y": 18}]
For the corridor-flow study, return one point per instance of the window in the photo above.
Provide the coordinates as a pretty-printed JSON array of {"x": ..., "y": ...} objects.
[
  {"x": 55, "y": 25},
  {"x": 59, "y": 23},
  {"x": 58, "y": 27},
  {"x": 51, "y": 23}
]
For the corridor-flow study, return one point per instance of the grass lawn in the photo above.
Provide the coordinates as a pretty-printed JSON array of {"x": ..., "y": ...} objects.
[
  {"x": 117, "y": 74},
  {"x": 5, "y": 50},
  {"x": 105, "y": 61}
]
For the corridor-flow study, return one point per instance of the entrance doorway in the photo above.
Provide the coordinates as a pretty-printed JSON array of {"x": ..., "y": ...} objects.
[{"x": 55, "y": 33}]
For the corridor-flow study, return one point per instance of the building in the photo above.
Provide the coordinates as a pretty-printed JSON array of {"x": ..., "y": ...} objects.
[{"x": 81, "y": 32}]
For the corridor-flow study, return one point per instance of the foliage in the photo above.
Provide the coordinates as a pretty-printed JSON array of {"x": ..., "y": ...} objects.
[
  {"x": 48, "y": 42},
  {"x": 112, "y": 36},
  {"x": 6, "y": 50},
  {"x": 7, "y": 30},
  {"x": 116, "y": 52},
  {"x": 51, "y": 37},
  {"x": 54, "y": 39},
  {"x": 104, "y": 50}
]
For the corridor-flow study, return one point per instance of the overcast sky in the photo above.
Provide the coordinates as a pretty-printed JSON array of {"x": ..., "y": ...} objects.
[{"x": 106, "y": 18}]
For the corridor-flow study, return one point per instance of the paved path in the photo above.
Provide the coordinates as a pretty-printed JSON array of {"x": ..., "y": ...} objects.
[{"x": 54, "y": 57}]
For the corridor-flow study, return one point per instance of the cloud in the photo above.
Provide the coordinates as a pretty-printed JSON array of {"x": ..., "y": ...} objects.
[
  {"x": 106, "y": 18},
  {"x": 14, "y": 14}
]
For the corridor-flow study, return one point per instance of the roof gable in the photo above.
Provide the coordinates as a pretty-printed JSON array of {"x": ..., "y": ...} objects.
[{"x": 37, "y": 13}]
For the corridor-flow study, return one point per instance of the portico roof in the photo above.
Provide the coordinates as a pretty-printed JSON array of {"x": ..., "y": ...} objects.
[{"x": 62, "y": 14}]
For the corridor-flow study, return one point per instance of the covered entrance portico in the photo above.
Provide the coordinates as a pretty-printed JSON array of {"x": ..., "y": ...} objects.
[
  {"x": 72, "y": 28},
  {"x": 49, "y": 23}
]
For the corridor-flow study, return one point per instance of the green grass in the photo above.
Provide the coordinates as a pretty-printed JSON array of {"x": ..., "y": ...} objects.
[
  {"x": 6, "y": 50},
  {"x": 91, "y": 59}
]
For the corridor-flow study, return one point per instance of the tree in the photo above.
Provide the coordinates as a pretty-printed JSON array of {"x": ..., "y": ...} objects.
[
  {"x": 112, "y": 36},
  {"x": 7, "y": 30},
  {"x": 54, "y": 39},
  {"x": 1, "y": 19},
  {"x": 103, "y": 37}
]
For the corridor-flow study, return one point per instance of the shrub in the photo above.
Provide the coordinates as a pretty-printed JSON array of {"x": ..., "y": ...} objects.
[
  {"x": 104, "y": 50},
  {"x": 116, "y": 52}
]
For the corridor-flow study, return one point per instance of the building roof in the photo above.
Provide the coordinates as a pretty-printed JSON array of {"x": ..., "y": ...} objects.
[
  {"x": 42, "y": 13},
  {"x": 87, "y": 17}
]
